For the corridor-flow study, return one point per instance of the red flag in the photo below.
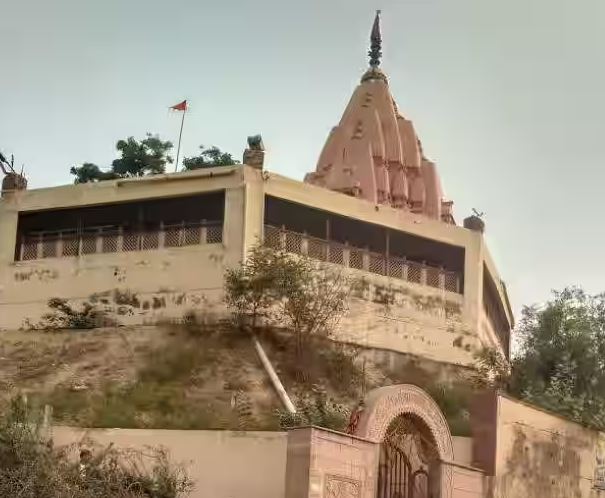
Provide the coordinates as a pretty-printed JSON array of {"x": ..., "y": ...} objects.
[{"x": 181, "y": 106}]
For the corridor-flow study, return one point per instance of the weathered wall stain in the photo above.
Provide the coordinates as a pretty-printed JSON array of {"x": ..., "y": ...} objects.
[
  {"x": 158, "y": 302},
  {"x": 382, "y": 313},
  {"x": 119, "y": 273},
  {"x": 41, "y": 274},
  {"x": 547, "y": 467},
  {"x": 391, "y": 296}
]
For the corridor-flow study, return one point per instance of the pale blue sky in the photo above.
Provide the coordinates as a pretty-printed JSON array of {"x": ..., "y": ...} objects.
[{"x": 507, "y": 96}]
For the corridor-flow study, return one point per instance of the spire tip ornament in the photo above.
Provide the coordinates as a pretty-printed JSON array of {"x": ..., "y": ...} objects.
[{"x": 375, "y": 52}]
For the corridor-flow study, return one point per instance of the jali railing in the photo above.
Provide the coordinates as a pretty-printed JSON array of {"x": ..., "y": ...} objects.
[
  {"x": 67, "y": 243},
  {"x": 362, "y": 259}
]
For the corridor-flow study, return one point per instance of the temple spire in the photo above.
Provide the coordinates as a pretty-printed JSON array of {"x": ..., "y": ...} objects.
[
  {"x": 374, "y": 153},
  {"x": 375, "y": 52}
]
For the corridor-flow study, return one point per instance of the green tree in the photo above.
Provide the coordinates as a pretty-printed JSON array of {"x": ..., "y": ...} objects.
[
  {"x": 313, "y": 305},
  {"x": 560, "y": 364},
  {"x": 208, "y": 158},
  {"x": 90, "y": 172},
  {"x": 138, "y": 158},
  {"x": 147, "y": 157},
  {"x": 259, "y": 284},
  {"x": 492, "y": 369},
  {"x": 275, "y": 288}
]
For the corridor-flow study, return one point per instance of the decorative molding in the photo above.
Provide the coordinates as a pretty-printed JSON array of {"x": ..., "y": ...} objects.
[
  {"x": 385, "y": 404},
  {"x": 342, "y": 487}
]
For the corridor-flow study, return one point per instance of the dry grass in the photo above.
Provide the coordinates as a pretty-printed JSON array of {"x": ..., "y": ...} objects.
[
  {"x": 38, "y": 361},
  {"x": 181, "y": 377},
  {"x": 191, "y": 377}
]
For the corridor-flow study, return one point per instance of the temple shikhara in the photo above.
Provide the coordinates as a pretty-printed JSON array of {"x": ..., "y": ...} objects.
[
  {"x": 375, "y": 154},
  {"x": 155, "y": 249}
]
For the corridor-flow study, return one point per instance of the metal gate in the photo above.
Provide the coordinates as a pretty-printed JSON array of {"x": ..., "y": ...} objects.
[{"x": 395, "y": 476}]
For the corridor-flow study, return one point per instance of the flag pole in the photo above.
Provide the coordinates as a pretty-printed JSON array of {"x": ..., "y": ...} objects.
[{"x": 178, "y": 149}]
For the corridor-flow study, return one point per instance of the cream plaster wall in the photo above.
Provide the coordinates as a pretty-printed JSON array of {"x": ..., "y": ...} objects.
[
  {"x": 421, "y": 320},
  {"x": 166, "y": 282},
  {"x": 540, "y": 454},
  {"x": 222, "y": 464},
  {"x": 491, "y": 267},
  {"x": 410, "y": 325},
  {"x": 488, "y": 333}
]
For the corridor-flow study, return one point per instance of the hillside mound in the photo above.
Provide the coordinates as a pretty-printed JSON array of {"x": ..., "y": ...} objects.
[{"x": 191, "y": 376}]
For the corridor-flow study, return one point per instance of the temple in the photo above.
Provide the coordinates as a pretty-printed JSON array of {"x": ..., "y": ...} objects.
[
  {"x": 373, "y": 209},
  {"x": 374, "y": 152},
  {"x": 149, "y": 256}
]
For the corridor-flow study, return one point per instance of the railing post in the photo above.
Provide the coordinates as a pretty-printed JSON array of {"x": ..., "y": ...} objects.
[
  {"x": 59, "y": 253},
  {"x": 161, "y": 236},
  {"x": 325, "y": 249},
  {"x": 423, "y": 274},
  {"x": 365, "y": 259},
  {"x": 442, "y": 278},
  {"x": 120, "y": 240},
  {"x": 346, "y": 255},
  {"x": 180, "y": 234},
  {"x": 304, "y": 244},
  {"x": 39, "y": 247},
  {"x": 99, "y": 241},
  {"x": 328, "y": 234},
  {"x": 404, "y": 269},
  {"x": 387, "y": 253},
  {"x": 282, "y": 238},
  {"x": 203, "y": 233}
]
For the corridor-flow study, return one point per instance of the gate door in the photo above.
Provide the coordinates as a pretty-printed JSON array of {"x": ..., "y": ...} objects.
[{"x": 394, "y": 472}]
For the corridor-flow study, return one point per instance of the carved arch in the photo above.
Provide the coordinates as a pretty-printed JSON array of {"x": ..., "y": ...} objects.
[{"x": 385, "y": 404}]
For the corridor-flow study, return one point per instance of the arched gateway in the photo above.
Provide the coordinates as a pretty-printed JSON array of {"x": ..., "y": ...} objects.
[{"x": 414, "y": 436}]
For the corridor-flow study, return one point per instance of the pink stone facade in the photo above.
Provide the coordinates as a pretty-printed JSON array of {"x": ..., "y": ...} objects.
[
  {"x": 375, "y": 154},
  {"x": 519, "y": 451},
  {"x": 385, "y": 404},
  {"x": 328, "y": 464}
]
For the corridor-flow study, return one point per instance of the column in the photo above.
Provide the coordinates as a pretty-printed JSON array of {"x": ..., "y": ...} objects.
[
  {"x": 254, "y": 209},
  {"x": 233, "y": 225},
  {"x": 473, "y": 279}
]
